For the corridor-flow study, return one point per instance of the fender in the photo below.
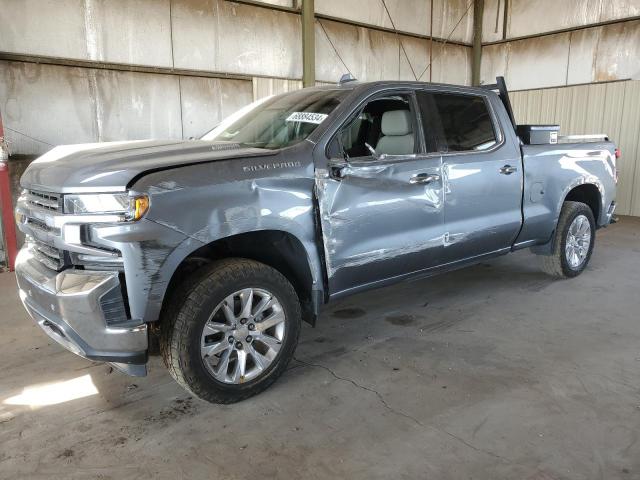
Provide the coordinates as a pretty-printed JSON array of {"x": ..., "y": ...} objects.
[
  {"x": 203, "y": 206},
  {"x": 549, "y": 178}
]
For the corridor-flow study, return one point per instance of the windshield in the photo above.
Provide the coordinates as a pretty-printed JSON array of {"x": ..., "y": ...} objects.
[{"x": 278, "y": 122}]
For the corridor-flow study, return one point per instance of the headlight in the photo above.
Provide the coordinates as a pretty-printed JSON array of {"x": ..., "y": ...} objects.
[{"x": 131, "y": 207}]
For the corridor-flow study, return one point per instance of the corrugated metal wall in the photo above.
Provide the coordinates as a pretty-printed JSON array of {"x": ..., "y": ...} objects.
[
  {"x": 612, "y": 108},
  {"x": 596, "y": 54},
  {"x": 570, "y": 42},
  {"x": 526, "y": 17},
  {"x": 73, "y": 103},
  {"x": 56, "y": 105}
]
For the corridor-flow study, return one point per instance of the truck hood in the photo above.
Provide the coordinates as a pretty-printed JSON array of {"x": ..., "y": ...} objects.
[{"x": 111, "y": 166}]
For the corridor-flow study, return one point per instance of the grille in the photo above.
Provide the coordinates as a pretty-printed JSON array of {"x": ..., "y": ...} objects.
[
  {"x": 47, "y": 201},
  {"x": 45, "y": 254},
  {"x": 42, "y": 226}
]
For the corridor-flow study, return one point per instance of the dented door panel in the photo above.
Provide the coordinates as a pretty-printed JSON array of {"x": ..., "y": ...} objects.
[
  {"x": 482, "y": 206},
  {"x": 483, "y": 194},
  {"x": 377, "y": 224}
]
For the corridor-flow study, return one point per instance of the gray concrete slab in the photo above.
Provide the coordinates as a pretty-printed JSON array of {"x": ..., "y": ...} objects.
[{"x": 491, "y": 372}]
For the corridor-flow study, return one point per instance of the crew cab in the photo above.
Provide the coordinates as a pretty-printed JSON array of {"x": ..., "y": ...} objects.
[{"x": 218, "y": 248}]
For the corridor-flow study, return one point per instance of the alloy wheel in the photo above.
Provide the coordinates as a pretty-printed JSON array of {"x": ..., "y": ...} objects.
[
  {"x": 578, "y": 241},
  {"x": 243, "y": 335}
]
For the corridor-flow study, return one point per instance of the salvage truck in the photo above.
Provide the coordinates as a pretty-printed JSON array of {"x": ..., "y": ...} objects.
[{"x": 218, "y": 248}]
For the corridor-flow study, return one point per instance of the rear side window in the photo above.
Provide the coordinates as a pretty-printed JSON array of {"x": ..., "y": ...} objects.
[{"x": 465, "y": 122}]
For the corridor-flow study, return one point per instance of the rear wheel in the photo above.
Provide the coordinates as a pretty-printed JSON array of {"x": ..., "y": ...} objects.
[
  {"x": 232, "y": 331},
  {"x": 573, "y": 242}
]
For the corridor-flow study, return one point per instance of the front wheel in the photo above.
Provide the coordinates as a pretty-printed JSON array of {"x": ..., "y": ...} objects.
[
  {"x": 232, "y": 331},
  {"x": 573, "y": 241}
]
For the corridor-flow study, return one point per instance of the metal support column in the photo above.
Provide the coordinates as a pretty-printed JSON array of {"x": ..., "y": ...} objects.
[
  {"x": 478, "y": 10},
  {"x": 308, "y": 44},
  {"x": 6, "y": 205}
]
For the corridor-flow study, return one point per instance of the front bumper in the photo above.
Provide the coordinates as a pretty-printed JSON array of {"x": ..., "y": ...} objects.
[{"x": 67, "y": 306}]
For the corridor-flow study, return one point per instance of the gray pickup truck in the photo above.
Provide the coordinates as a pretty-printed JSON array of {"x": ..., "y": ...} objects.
[{"x": 218, "y": 248}]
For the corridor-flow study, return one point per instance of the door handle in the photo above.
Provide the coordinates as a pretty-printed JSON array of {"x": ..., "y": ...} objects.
[
  {"x": 508, "y": 170},
  {"x": 424, "y": 178}
]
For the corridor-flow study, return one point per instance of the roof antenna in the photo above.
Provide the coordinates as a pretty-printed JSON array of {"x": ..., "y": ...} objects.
[{"x": 347, "y": 77}]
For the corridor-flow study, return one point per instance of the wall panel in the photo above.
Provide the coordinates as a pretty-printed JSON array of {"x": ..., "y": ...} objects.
[
  {"x": 596, "y": 54},
  {"x": 265, "y": 87},
  {"x": 207, "y": 101},
  {"x": 49, "y": 103},
  {"x": 130, "y": 105},
  {"x": 119, "y": 31},
  {"x": 368, "y": 54},
  {"x": 526, "y": 17},
  {"x": 451, "y": 64},
  {"x": 215, "y": 37},
  {"x": 122, "y": 31},
  {"x": 44, "y": 27},
  {"x": 493, "y": 20},
  {"x": 62, "y": 105},
  {"x": 220, "y": 36},
  {"x": 408, "y": 15},
  {"x": 453, "y": 19},
  {"x": 374, "y": 55}
]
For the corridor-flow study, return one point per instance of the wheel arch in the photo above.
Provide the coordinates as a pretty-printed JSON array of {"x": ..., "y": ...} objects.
[
  {"x": 278, "y": 249},
  {"x": 589, "y": 194},
  {"x": 584, "y": 190}
]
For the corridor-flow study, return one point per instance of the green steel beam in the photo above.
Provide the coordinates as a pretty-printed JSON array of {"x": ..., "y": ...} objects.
[
  {"x": 308, "y": 44},
  {"x": 478, "y": 10}
]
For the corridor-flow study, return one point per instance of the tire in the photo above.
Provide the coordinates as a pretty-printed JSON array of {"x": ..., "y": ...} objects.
[
  {"x": 220, "y": 288},
  {"x": 558, "y": 264}
]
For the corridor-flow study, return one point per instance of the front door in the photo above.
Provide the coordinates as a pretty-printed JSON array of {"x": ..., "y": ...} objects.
[{"x": 381, "y": 205}]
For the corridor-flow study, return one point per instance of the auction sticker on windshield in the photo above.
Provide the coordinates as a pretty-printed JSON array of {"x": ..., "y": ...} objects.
[{"x": 307, "y": 117}]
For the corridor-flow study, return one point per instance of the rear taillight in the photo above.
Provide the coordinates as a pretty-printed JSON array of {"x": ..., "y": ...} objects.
[{"x": 617, "y": 153}]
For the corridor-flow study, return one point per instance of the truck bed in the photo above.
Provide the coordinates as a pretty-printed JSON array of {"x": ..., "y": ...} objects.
[{"x": 551, "y": 171}]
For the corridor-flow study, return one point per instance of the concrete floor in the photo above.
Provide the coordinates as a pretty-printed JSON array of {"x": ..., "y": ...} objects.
[{"x": 491, "y": 372}]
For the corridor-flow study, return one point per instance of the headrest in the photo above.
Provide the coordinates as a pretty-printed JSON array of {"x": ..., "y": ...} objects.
[{"x": 396, "y": 122}]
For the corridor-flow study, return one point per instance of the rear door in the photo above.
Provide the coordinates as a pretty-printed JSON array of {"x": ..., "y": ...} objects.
[
  {"x": 482, "y": 175},
  {"x": 381, "y": 205}
]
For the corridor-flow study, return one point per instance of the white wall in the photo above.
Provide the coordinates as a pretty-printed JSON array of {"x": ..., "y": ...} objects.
[
  {"x": 408, "y": 15},
  {"x": 593, "y": 54},
  {"x": 62, "y": 105},
  {"x": 526, "y": 17},
  {"x": 69, "y": 104},
  {"x": 596, "y": 54}
]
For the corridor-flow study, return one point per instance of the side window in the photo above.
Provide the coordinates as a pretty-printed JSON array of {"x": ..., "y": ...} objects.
[
  {"x": 433, "y": 134},
  {"x": 385, "y": 124},
  {"x": 466, "y": 123}
]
